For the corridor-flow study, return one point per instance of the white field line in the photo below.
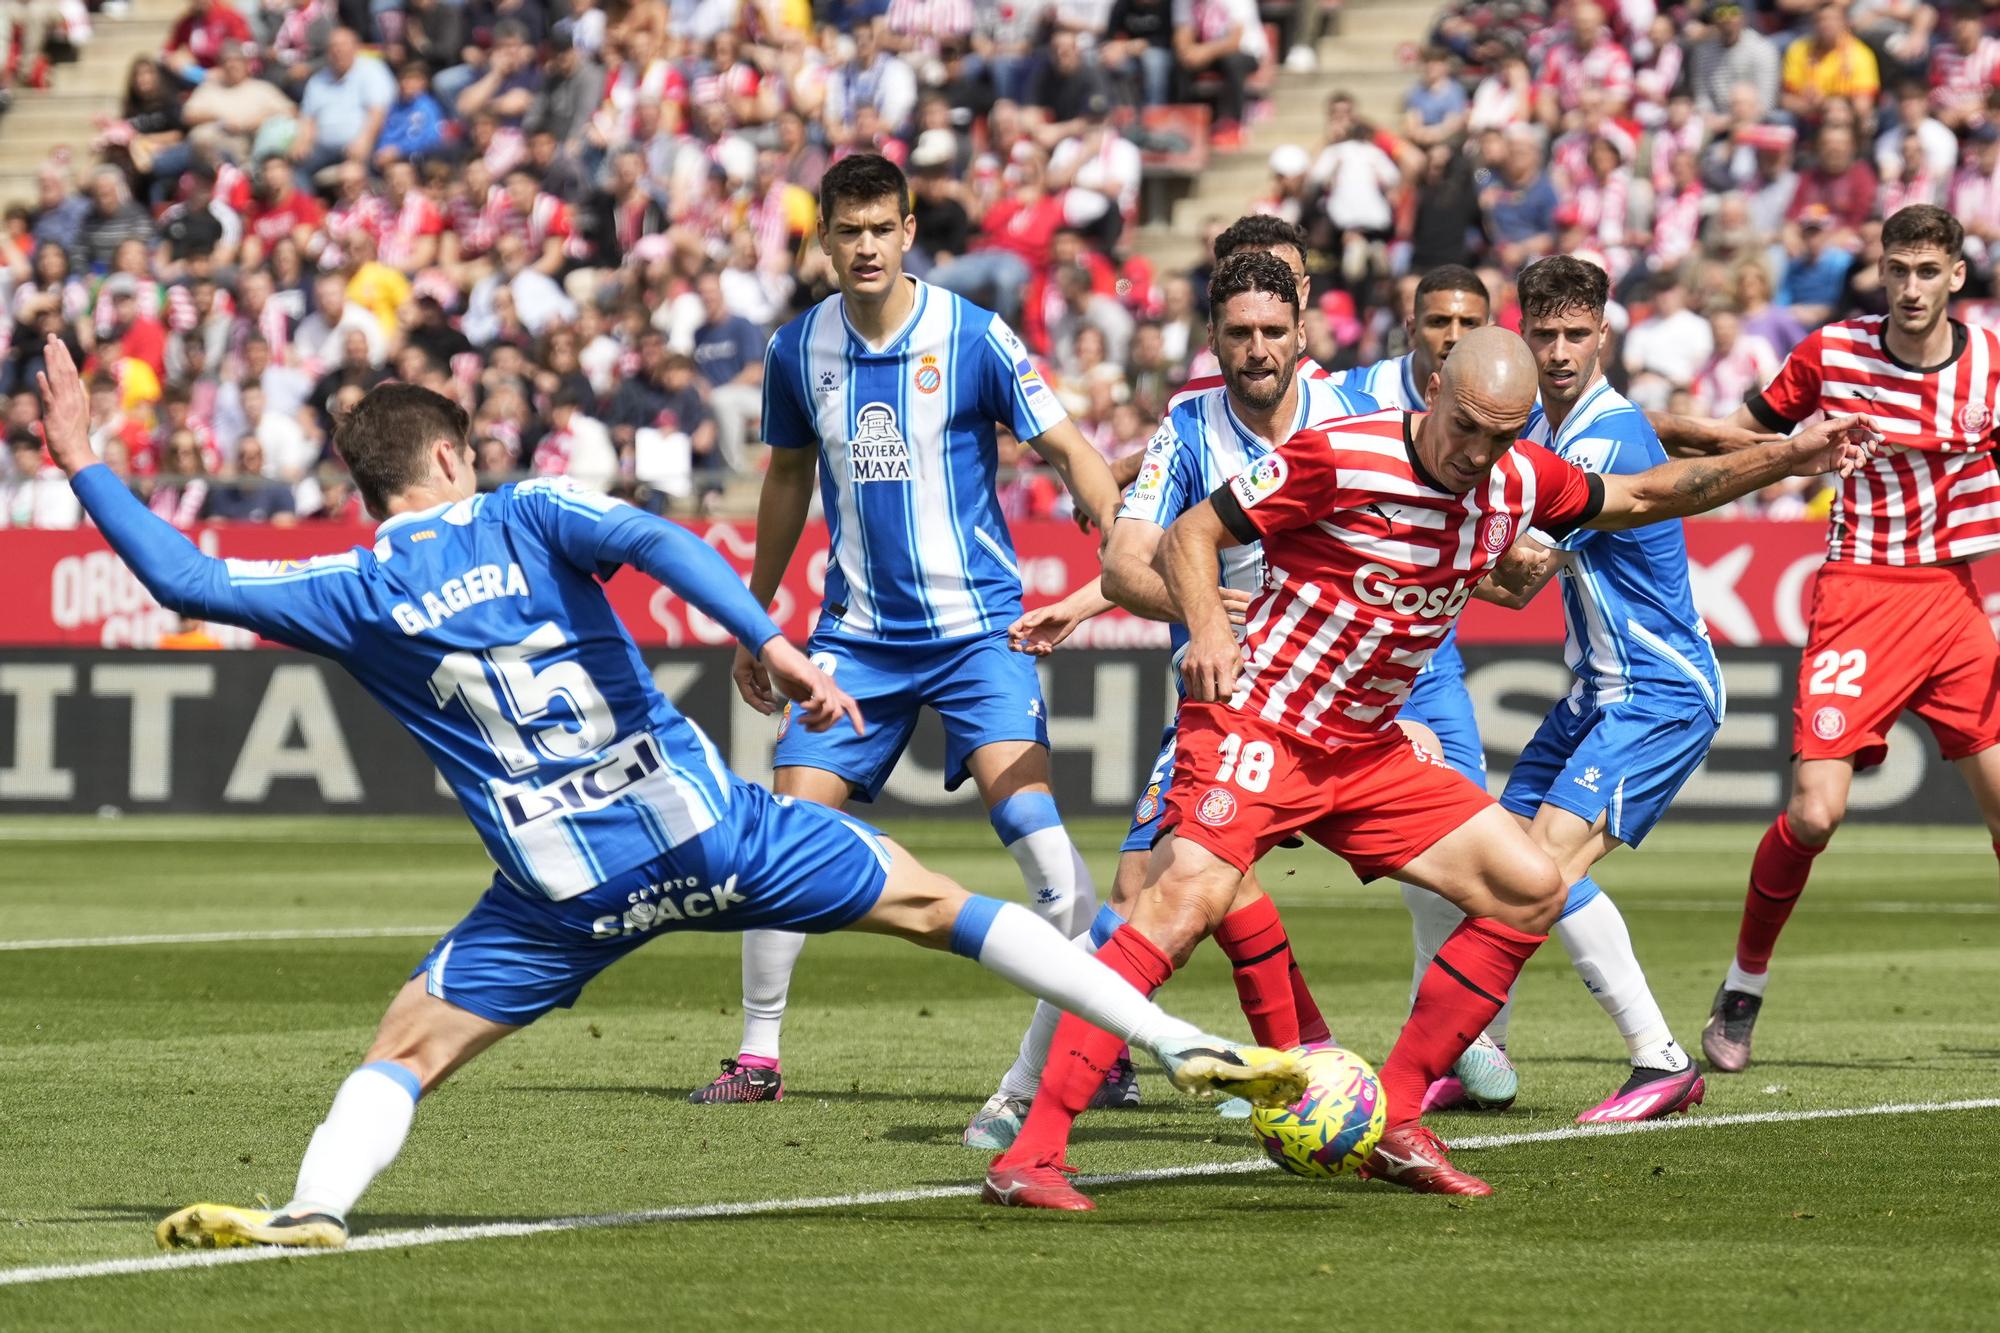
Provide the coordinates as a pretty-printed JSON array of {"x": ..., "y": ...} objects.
[
  {"x": 403, "y": 1240},
  {"x": 228, "y": 937}
]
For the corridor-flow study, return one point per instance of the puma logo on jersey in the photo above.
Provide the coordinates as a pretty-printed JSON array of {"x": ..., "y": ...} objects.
[{"x": 480, "y": 584}]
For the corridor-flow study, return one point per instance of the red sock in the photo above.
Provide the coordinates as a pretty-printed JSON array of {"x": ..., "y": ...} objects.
[
  {"x": 1312, "y": 1027},
  {"x": 1777, "y": 876},
  {"x": 1254, "y": 940},
  {"x": 1463, "y": 988},
  {"x": 1079, "y": 1054}
]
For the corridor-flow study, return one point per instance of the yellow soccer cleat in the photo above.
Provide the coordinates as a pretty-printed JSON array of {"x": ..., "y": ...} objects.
[
  {"x": 221, "y": 1226},
  {"x": 1203, "y": 1064}
]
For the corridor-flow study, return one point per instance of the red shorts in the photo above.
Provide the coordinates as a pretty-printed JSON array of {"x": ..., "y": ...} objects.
[
  {"x": 1242, "y": 786},
  {"x": 1886, "y": 639}
]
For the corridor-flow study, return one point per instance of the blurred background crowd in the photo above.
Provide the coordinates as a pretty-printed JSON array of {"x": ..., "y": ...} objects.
[{"x": 583, "y": 218}]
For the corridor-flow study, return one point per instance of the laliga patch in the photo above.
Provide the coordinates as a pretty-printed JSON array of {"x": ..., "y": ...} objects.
[
  {"x": 1496, "y": 533},
  {"x": 1828, "y": 723},
  {"x": 1260, "y": 479},
  {"x": 1974, "y": 418},
  {"x": 1218, "y": 807},
  {"x": 1152, "y": 476}
]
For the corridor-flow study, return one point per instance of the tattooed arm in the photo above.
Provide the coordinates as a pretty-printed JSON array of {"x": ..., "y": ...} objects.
[{"x": 1676, "y": 490}]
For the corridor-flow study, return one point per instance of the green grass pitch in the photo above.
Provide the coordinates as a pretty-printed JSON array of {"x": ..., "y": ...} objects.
[{"x": 138, "y": 1077}]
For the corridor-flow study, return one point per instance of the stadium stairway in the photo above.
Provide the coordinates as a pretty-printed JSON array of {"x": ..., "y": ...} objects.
[
  {"x": 1363, "y": 53},
  {"x": 93, "y": 85}
]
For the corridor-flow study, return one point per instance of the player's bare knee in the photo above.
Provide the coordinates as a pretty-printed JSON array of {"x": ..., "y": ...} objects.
[
  {"x": 1813, "y": 816},
  {"x": 1528, "y": 895}
]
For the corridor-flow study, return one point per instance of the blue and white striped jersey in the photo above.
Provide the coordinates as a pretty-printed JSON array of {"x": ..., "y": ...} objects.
[
  {"x": 1392, "y": 383},
  {"x": 1200, "y": 445},
  {"x": 483, "y": 628},
  {"x": 1631, "y": 628},
  {"x": 918, "y": 548}
]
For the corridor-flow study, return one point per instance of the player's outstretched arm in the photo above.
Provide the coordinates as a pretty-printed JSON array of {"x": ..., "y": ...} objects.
[
  {"x": 1705, "y": 437},
  {"x": 1135, "y": 574},
  {"x": 782, "y": 507},
  {"x": 1695, "y": 485},
  {"x": 1521, "y": 573},
  {"x": 1193, "y": 548},
  {"x": 1083, "y": 472},
  {"x": 1038, "y": 632}
]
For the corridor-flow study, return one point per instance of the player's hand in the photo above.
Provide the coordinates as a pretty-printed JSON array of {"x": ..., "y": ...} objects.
[
  {"x": 1210, "y": 666},
  {"x": 819, "y": 702},
  {"x": 1838, "y": 444},
  {"x": 1237, "y": 603},
  {"x": 1039, "y": 631},
  {"x": 754, "y": 683},
  {"x": 65, "y": 409}
]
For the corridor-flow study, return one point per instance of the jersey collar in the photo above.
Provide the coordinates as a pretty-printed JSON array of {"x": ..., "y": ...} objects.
[
  {"x": 1577, "y": 414},
  {"x": 1250, "y": 437},
  {"x": 894, "y": 346},
  {"x": 413, "y": 516},
  {"x": 1410, "y": 393}
]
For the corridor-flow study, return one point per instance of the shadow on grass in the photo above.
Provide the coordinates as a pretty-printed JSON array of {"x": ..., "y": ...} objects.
[{"x": 680, "y": 1094}]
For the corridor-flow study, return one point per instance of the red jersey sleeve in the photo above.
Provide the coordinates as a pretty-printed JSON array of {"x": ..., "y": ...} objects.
[
  {"x": 1286, "y": 488},
  {"x": 1795, "y": 394},
  {"x": 1566, "y": 497}
]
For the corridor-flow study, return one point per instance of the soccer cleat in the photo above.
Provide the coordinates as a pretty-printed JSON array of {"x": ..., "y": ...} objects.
[
  {"x": 741, "y": 1083},
  {"x": 1120, "y": 1089},
  {"x": 1043, "y": 1185},
  {"x": 221, "y": 1226},
  {"x": 1413, "y": 1157},
  {"x": 1235, "y": 1108},
  {"x": 1482, "y": 1079},
  {"x": 1725, "y": 1039},
  {"x": 1649, "y": 1095},
  {"x": 995, "y": 1125},
  {"x": 1202, "y": 1064}
]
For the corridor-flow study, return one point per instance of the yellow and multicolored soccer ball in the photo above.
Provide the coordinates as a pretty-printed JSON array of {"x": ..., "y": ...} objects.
[{"x": 1334, "y": 1126}]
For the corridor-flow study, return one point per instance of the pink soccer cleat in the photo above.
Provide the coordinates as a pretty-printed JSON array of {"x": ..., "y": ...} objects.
[
  {"x": 1649, "y": 1094},
  {"x": 1445, "y": 1094}
]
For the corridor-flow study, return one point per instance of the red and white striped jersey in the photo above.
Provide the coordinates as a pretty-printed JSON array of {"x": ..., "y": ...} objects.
[
  {"x": 1309, "y": 369},
  {"x": 1934, "y": 495},
  {"x": 1368, "y": 561}
]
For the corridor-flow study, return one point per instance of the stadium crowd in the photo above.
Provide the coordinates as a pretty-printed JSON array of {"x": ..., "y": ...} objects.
[{"x": 583, "y": 218}]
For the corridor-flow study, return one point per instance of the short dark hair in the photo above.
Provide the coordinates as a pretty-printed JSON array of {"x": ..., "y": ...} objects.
[
  {"x": 385, "y": 440},
  {"x": 862, "y": 178},
  {"x": 1251, "y": 271},
  {"x": 1452, "y": 278},
  {"x": 1561, "y": 283},
  {"x": 1259, "y": 231},
  {"x": 1924, "y": 224}
]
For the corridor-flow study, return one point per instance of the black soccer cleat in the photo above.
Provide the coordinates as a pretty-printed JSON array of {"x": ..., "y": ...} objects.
[
  {"x": 1725, "y": 1040},
  {"x": 740, "y": 1083}
]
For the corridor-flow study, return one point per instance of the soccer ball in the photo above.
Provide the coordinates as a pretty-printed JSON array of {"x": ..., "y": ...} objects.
[{"x": 1334, "y": 1126}]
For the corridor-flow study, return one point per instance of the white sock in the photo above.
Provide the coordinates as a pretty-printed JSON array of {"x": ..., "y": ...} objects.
[
  {"x": 1601, "y": 949},
  {"x": 1059, "y": 885},
  {"x": 1750, "y": 983},
  {"x": 1009, "y": 940},
  {"x": 768, "y": 959},
  {"x": 1432, "y": 919},
  {"x": 1024, "y": 1076},
  {"x": 360, "y": 1136}
]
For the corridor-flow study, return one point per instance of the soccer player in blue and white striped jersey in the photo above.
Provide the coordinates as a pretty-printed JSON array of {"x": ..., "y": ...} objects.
[
  {"x": 890, "y": 390},
  {"x": 480, "y": 623},
  {"x": 1648, "y": 697}
]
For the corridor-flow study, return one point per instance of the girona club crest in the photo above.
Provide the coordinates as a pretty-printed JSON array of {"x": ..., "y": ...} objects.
[
  {"x": 1496, "y": 533},
  {"x": 1828, "y": 723},
  {"x": 1974, "y": 418},
  {"x": 1218, "y": 806}
]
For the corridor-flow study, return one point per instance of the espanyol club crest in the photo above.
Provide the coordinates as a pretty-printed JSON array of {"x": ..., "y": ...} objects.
[
  {"x": 1496, "y": 532},
  {"x": 1828, "y": 723},
  {"x": 1974, "y": 418},
  {"x": 1149, "y": 805},
  {"x": 1218, "y": 806},
  {"x": 784, "y": 722},
  {"x": 929, "y": 378}
]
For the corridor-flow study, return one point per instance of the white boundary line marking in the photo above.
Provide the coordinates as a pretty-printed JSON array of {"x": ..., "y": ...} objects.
[
  {"x": 403, "y": 1240},
  {"x": 227, "y": 937}
]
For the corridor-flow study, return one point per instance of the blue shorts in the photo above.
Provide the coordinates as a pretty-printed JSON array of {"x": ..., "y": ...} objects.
[
  {"x": 1440, "y": 702},
  {"x": 771, "y": 862},
  {"x": 983, "y": 690},
  {"x": 1622, "y": 761},
  {"x": 1145, "y": 830}
]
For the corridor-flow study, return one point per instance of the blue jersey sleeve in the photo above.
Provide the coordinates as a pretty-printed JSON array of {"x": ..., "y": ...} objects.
[
  {"x": 1169, "y": 478},
  {"x": 1009, "y": 387},
  {"x": 788, "y": 422},
  {"x": 298, "y": 602},
  {"x": 597, "y": 535}
]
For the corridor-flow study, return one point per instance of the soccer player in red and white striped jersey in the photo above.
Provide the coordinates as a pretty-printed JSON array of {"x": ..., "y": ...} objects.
[
  {"x": 1374, "y": 531},
  {"x": 1896, "y": 622}
]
